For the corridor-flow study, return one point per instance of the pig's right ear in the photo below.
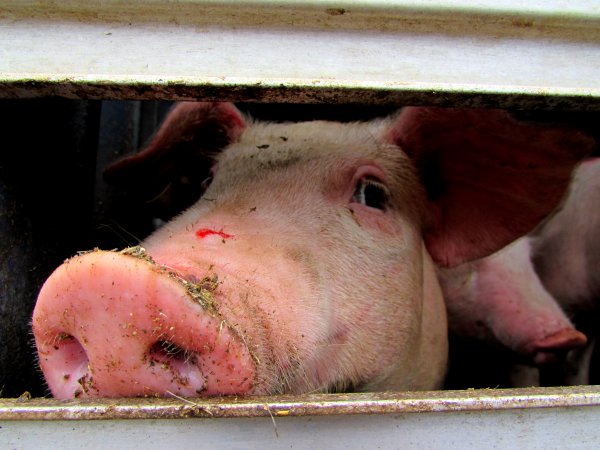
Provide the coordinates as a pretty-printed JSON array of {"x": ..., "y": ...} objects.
[
  {"x": 170, "y": 170},
  {"x": 489, "y": 178}
]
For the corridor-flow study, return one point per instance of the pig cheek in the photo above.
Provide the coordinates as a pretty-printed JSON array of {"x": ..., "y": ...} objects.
[
  {"x": 376, "y": 220},
  {"x": 365, "y": 330},
  {"x": 392, "y": 287},
  {"x": 290, "y": 331}
]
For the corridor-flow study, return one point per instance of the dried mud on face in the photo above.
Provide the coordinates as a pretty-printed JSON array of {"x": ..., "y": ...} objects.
[{"x": 201, "y": 292}]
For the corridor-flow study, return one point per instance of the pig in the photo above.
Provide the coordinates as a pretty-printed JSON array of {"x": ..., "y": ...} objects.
[
  {"x": 566, "y": 249},
  {"x": 566, "y": 254},
  {"x": 308, "y": 262},
  {"x": 500, "y": 299},
  {"x": 504, "y": 299}
]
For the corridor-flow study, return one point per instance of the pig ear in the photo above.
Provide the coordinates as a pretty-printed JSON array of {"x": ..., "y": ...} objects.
[
  {"x": 489, "y": 178},
  {"x": 169, "y": 171}
]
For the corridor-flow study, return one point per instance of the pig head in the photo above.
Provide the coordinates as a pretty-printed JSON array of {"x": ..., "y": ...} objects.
[
  {"x": 566, "y": 256},
  {"x": 308, "y": 263},
  {"x": 500, "y": 299}
]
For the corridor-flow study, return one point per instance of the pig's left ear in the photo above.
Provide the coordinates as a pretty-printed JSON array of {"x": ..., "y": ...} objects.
[
  {"x": 168, "y": 173},
  {"x": 489, "y": 178}
]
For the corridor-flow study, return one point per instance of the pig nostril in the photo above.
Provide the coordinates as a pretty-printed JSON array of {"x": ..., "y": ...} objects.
[
  {"x": 70, "y": 355},
  {"x": 186, "y": 377},
  {"x": 70, "y": 349},
  {"x": 162, "y": 351},
  {"x": 62, "y": 337}
]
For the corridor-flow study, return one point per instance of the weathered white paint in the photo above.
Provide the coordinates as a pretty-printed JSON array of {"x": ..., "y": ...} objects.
[
  {"x": 562, "y": 418},
  {"x": 559, "y": 428},
  {"x": 534, "y": 48}
]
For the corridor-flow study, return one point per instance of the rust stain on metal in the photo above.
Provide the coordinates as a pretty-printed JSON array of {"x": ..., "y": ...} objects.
[
  {"x": 305, "y": 405},
  {"x": 394, "y": 94}
]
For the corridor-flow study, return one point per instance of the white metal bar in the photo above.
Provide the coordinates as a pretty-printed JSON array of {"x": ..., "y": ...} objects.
[
  {"x": 372, "y": 51},
  {"x": 513, "y": 418},
  {"x": 558, "y": 428},
  {"x": 302, "y": 405}
]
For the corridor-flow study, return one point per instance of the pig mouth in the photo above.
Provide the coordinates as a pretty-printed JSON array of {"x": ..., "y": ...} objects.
[{"x": 111, "y": 324}]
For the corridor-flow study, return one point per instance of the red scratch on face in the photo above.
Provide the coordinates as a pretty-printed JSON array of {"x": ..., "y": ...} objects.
[{"x": 203, "y": 232}]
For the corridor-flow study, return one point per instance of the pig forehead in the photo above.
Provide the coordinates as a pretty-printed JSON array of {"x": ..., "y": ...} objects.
[{"x": 276, "y": 145}]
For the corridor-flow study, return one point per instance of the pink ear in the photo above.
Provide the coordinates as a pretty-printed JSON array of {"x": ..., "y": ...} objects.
[
  {"x": 489, "y": 178},
  {"x": 179, "y": 156}
]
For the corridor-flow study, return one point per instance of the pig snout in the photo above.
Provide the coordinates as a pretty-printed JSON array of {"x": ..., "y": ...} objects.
[{"x": 112, "y": 324}]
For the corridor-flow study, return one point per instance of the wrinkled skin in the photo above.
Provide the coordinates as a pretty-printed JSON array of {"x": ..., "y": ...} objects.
[{"x": 309, "y": 262}]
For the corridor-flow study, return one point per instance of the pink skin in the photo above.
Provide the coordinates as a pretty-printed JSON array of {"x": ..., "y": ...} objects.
[
  {"x": 500, "y": 299},
  {"x": 573, "y": 235},
  {"x": 566, "y": 256},
  {"x": 108, "y": 315},
  {"x": 254, "y": 276},
  {"x": 316, "y": 242}
]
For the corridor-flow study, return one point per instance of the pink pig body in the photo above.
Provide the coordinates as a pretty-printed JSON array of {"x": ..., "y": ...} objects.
[
  {"x": 566, "y": 256},
  {"x": 525, "y": 296},
  {"x": 308, "y": 263},
  {"x": 566, "y": 250},
  {"x": 500, "y": 299}
]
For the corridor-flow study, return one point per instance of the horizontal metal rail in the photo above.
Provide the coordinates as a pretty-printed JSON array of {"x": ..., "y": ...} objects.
[
  {"x": 307, "y": 405},
  {"x": 564, "y": 418},
  {"x": 529, "y": 54}
]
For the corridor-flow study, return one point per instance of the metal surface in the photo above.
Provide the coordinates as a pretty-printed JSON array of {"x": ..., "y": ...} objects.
[
  {"x": 562, "y": 428},
  {"x": 564, "y": 418},
  {"x": 322, "y": 404},
  {"x": 529, "y": 54}
]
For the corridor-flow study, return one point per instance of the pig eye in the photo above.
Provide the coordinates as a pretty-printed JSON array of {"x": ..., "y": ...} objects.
[{"x": 371, "y": 192}]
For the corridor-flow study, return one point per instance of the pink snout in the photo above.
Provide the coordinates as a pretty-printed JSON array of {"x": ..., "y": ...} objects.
[{"x": 110, "y": 324}]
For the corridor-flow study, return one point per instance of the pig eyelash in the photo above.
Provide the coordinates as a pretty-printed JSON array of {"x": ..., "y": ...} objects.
[
  {"x": 371, "y": 192},
  {"x": 208, "y": 180},
  {"x": 206, "y": 183}
]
